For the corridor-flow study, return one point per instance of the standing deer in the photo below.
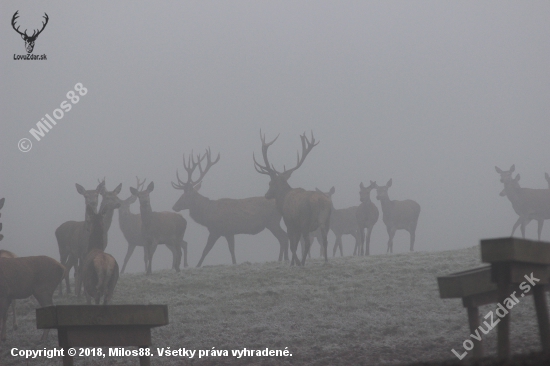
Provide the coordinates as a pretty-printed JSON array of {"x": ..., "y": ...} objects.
[
  {"x": 342, "y": 221},
  {"x": 99, "y": 269},
  {"x": 23, "y": 277},
  {"x": 303, "y": 211},
  {"x": 160, "y": 228},
  {"x": 367, "y": 215},
  {"x": 130, "y": 225},
  {"x": 529, "y": 204},
  {"x": 226, "y": 217},
  {"x": 397, "y": 215},
  {"x": 72, "y": 236}
]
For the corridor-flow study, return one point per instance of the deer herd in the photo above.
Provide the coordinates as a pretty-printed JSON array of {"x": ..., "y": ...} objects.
[{"x": 307, "y": 215}]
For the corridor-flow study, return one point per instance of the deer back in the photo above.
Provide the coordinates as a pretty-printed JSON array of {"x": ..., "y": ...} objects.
[
  {"x": 400, "y": 214},
  {"x": 303, "y": 209}
]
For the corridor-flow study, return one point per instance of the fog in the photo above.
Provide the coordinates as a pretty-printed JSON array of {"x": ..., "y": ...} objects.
[{"x": 431, "y": 94}]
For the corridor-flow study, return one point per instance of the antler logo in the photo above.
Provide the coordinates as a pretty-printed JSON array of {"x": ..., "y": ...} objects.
[{"x": 29, "y": 40}]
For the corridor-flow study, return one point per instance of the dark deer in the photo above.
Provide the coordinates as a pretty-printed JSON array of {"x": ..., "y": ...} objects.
[
  {"x": 366, "y": 216},
  {"x": 397, "y": 215},
  {"x": 226, "y": 217},
  {"x": 303, "y": 211},
  {"x": 99, "y": 269},
  {"x": 529, "y": 204},
  {"x": 29, "y": 40},
  {"x": 72, "y": 236},
  {"x": 160, "y": 228},
  {"x": 23, "y": 277}
]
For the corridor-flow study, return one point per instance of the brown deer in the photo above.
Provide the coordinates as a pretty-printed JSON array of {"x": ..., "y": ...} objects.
[
  {"x": 367, "y": 215},
  {"x": 226, "y": 217},
  {"x": 23, "y": 277},
  {"x": 130, "y": 225},
  {"x": 99, "y": 269},
  {"x": 303, "y": 211},
  {"x": 529, "y": 204},
  {"x": 72, "y": 236},
  {"x": 342, "y": 221},
  {"x": 397, "y": 215},
  {"x": 8, "y": 254},
  {"x": 160, "y": 228}
]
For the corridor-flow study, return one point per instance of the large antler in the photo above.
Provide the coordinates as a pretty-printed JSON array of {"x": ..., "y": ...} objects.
[
  {"x": 190, "y": 167},
  {"x": 268, "y": 169},
  {"x": 36, "y": 31},
  {"x": 307, "y": 146}
]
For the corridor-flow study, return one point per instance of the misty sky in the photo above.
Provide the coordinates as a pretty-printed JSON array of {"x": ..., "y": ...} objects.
[{"x": 433, "y": 94}]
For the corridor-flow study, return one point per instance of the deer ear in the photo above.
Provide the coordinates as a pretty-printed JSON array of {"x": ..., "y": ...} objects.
[
  {"x": 150, "y": 187},
  {"x": 23, "y": 36},
  {"x": 197, "y": 186},
  {"x": 100, "y": 186},
  {"x": 512, "y": 168},
  {"x": 4, "y": 200},
  {"x": 134, "y": 191},
  {"x": 332, "y": 190},
  {"x": 317, "y": 190},
  {"x": 117, "y": 189},
  {"x": 389, "y": 183},
  {"x": 79, "y": 188},
  {"x": 499, "y": 171}
]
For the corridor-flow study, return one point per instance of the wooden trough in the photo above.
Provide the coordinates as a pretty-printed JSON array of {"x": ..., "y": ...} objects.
[
  {"x": 511, "y": 260},
  {"x": 102, "y": 326}
]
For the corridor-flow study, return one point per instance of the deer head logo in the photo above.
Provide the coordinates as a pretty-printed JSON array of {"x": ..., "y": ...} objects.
[{"x": 29, "y": 40}]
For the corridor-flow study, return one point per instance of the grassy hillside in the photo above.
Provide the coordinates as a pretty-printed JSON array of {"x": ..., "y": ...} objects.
[{"x": 382, "y": 309}]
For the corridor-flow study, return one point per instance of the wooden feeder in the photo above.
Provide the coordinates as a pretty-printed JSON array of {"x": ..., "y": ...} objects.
[{"x": 102, "y": 326}]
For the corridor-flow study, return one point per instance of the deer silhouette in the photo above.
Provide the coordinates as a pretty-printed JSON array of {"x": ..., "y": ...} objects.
[{"x": 29, "y": 40}]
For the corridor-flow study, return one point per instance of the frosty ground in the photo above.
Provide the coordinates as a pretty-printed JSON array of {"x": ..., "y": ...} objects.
[{"x": 382, "y": 309}]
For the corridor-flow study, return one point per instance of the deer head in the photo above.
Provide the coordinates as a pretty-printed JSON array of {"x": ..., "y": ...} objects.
[
  {"x": 90, "y": 196},
  {"x": 505, "y": 176},
  {"x": 125, "y": 204},
  {"x": 364, "y": 192},
  {"x": 382, "y": 191},
  {"x": 192, "y": 186},
  {"x": 279, "y": 180},
  {"x": 29, "y": 40},
  {"x": 109, "y": 197},
  {"x": 144, "y": 199}
]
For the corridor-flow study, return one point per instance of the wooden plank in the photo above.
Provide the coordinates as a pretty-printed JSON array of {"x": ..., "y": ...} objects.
[
  {"x": 88, "y": 315},
  {"x": 466, "y": 283},
  {"x": 515, "y": 250}
]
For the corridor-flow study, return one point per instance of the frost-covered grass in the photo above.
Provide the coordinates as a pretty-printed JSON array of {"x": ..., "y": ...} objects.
[{"x": 382, "y": 309}]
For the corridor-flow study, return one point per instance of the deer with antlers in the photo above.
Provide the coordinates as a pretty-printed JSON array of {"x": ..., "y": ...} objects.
[
  {"x": 397, "y": 215},
  {"x": 303, "y": 211},
  {"x": 72, "y": 236},
  {"x": 160, "y": 228},
  {"x": 226, "y": 217},
  {"x": 366, "y": 215},
  {"x": 99, "y": 269},
  {"x": 529, "y": 204},
  {"x": 29, "y": 40}
]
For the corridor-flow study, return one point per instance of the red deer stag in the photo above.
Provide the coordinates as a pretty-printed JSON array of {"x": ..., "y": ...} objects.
[
  {"x": 226, "y": 217},
  {"x": 23, "y": 277},
  {"x": 160, "y": 228},
  {"x": 72, "y": 236},
  {"x": 529, "y": 204},
  {"x": 397, "y": 215},
  {"x": 366, "y": 216},
  {"x": 303, "y": 211},
  {"x": 8, "y": 254},
  {"x": 99, "y": 269}
]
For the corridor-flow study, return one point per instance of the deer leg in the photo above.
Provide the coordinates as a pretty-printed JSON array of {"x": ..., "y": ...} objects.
[
  {"x": 518, "y": 222},
  {"x": 294, "y": 238},
  {"x": 367, "y": 241},
  {"x": 391, "y": 233},
  {"x": 15, "y": 326},
  {"x": 129, "y": 253},
  {"x": 307, "y": 247},
  {"x": 412, "y": 234},
  {"x": 184, "y": 249},
  {"x": 212, "y": 238},
  {"x": 152, "y": 249},
  {"x": 45, "y": 298},
  {"x": 281, "y": 236},
  {"x": 4, "y": 306},
  {"x": 337, "y": 244},
  {"x": 539, "y": 230},
  {"x": 231, "y": 243}
]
